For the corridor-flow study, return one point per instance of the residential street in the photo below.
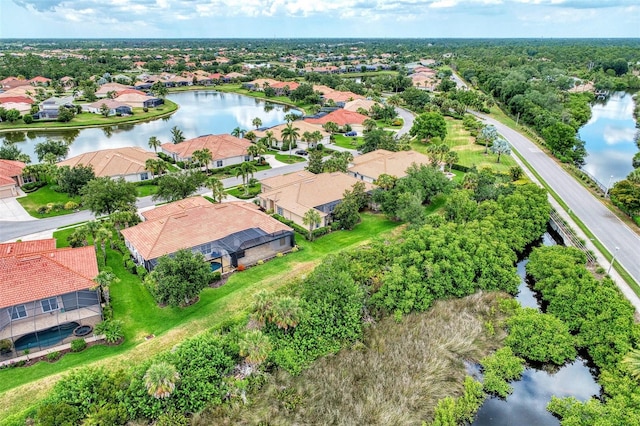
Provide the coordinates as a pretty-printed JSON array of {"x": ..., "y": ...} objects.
[{"x": 606, "y": 227}]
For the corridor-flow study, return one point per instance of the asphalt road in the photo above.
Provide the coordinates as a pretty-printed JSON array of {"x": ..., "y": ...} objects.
[
  {"x": 407, "y": 118},
  {"x": 604, "y": 225}
]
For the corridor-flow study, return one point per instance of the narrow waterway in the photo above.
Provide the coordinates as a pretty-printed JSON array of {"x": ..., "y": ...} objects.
[
  {"x": 531, "y": 394},
  {"x": 201, "y": 112},
  {"x": 608, "y": 138}
]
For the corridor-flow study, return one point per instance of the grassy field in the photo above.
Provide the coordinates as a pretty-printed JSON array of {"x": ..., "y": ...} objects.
[
  {"x": 237, "y": 88},
  {"x": 460, "y": 140},
  {"x": 146, "y": 190},
  {"x": 20, "y": 388},
  {"x": 87, "y": 119},
  {"x": 42, "y": 197}
]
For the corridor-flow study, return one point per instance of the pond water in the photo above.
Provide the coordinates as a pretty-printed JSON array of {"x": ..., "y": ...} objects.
[
  {"x": 531, "y": 394},
  {"x": 200, "y": 113},
  {"x": 608, "y": 138}
]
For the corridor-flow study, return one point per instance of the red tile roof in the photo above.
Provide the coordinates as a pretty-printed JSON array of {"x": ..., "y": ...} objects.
[
  {"x": 23, "y": 247},
  {"x": 17, "y": 100},
  {"x": 282, "y": 84},
  {"x": 340, "y": 117},
  {"x": 11, "y": 168},
  {"x": 36, "y": 276},
  {"x": 175, "y": 208},
  {"x": 221, "y": 146},
  {"x": 195, "y": 226}
]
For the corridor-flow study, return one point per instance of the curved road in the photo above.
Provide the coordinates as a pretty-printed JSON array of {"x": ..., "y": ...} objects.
[{"x": 604, "y": 225}]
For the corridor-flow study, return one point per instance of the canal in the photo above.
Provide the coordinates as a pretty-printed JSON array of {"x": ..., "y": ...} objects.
[{"x": 200, "y": 113}]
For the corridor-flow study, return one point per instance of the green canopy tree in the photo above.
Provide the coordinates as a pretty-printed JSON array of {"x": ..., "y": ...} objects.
[
  {"x": 177, "y": 186},
  {"x": 180, "y": 278},
  {"x": 429, "y": 125},
  {"x": 72, "y": 179},
  {"x": 104, "y": 195}
]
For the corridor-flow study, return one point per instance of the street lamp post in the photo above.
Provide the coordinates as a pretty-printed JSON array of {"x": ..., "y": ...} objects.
[
  {"x": 606, "y": 192},
  {"x": 613, "y": 259}
]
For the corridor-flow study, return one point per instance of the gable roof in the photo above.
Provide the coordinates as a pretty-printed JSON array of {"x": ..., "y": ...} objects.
[
  {"x": 340, "y": 117},
  {"x": 381, "y": 161},
  {"x": 304, "y": 194},
  {"x": 110, "y": 103},
  {"x": 113, "y": 162},
  {"x": 221, "y": 146},
  {"x": 16, "y": 99},
  {"x": 198, "y": 225},
  {"x": 292, "y": 85},
  {"x": 338, "y": 96},
  {"x": 34, "y": 276},
  {"x": 279, "y": 181},
  {"x": 22, "y": 247},
  {"x": 356, "y": 104}
]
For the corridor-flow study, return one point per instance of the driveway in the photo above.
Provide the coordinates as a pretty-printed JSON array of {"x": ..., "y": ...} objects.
[
  {"x": 12, "y": 211},
  {"x": 407, "y": 118}
]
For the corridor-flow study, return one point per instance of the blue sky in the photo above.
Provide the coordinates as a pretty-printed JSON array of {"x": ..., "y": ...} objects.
[{"x": 318, "y": 18}]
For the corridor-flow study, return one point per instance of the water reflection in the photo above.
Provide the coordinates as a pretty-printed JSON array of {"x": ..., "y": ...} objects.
[
  {"x": 200, "y": 113},
  {"x": 608, "y": 138}
]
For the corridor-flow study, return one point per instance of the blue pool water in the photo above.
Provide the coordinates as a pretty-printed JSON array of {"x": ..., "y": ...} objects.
[{"x": 43, "y": 338}]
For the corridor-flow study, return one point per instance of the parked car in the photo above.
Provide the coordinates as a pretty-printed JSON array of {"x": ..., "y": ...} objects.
[
  {"x": 301, "y": 152},
  {"x": 351, "y": 133}
]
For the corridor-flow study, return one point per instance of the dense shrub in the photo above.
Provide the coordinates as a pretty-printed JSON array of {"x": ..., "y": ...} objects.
[
  {"x": 112, "y": 330},
  {"x": 499, "y": 369},
  {"x": 78, "y": 345}
]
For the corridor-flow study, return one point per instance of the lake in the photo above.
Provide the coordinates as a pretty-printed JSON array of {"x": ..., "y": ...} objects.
[
  {"x": 608, "y": 137},
  {"x": 200, "y": 113},
  {"x": 531, "y": 394}
]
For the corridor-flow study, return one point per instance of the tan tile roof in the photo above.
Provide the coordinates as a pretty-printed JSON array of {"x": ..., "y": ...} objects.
[
  {"x": 282, "y": 84},
  {"x": 340, "y": 117},
  {"x": 375, "y": 163},
  {"x": 133, "y": 97},
  {"x": 221, "y": 146},
  {"x": 304, "y": 194},
  {"x": 196, "y": 226},
  {"x": 279, "y": 181},
  {"x": 175, "y": 208},
  {"x": 113, "y": 162},
  {"x": 261, "y": 81},
  {"x": 23, "y": 247},
  {"x": 302, "y": 125},
  {"x": 111, "y": 103},
  {"x": 111, "y": 87},
  {"x": 366, "y": 104},
  {"x": 36, "y": 276},
  {"x": 11, "y": 168},
  {"x": 337, "y": 96}
]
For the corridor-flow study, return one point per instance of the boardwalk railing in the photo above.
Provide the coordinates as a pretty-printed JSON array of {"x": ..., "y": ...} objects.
[{"x": 569, "y": 236}]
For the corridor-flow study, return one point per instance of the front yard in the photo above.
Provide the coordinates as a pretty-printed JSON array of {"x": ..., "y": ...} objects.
[{"x": 44, "y": 197}]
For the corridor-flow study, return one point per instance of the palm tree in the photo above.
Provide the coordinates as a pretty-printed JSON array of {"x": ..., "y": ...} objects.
[
  {"x": 262, "y": 306},
  {"x": 314, "y": 109},
  {"x": 92, "y": 228},
  {"x": 250, "y": 135},
  {"x": 253, "y": 151},
  {"x": 254, "y": 347},
  {"x": 160, "y": 379},
  {"x": 154, "y": 143},
  {"x": 312, "y": 219},
  {"x": 246, "y": 170},
  {"x": 369, "y": 124},
  {"x": 632, "y": 362},
  {"x": 500, "y": 146},
  {"x": 103, "y": 281},
  {"x": 487, "y": 135},
  {"x": 331, "y": 127},
  {"x": 291, "y": 117},
  {"x": 203, "y": 156},
  {"x": 450, "y": 158},
  {"x": 386, "y": 181},
  {"x": 152, "y": 165},
  {"x": 103, "y": 235},
  {"x": 257, "y": 122},
  {"x": 238, "y": 132},
  {"x": 290, "y": 135},
  {"x": 217, "y": 188},
  {"x": 286, "y": 312},
  {"x": 269, "y": 139},
  {"x": 78, "y": 237},
  {"x": 176, "y": 135}
]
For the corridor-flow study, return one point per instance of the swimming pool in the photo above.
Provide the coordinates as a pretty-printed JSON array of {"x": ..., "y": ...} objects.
[{"x": 44, "y": 338}]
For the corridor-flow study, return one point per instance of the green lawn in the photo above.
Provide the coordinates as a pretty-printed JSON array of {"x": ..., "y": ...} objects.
[
  {"x": 237, "y": 88},
  {"x": 87, "y": 119},
  {"x": 385, "y": 125},
  {"x": 141, "y": 316},
  {"x": 286, "y": 158},
  {"x": 42, "y": 197},
  {"x": 471, "y": 154},
  {"x": 239, "y": 192},
  {"x": 348, "y": 142},
  {"x": 146, "y": 190}
]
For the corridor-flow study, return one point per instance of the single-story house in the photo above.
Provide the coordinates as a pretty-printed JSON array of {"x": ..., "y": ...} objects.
[
  {"x": 340, "y": 117},
  {"x": 301, "y": 125},
  {"x": 227, "y": 234},
  {"x": 20, "y": 103},
  {"x": 104, "y": 90},
  {"x": 10, "y": 177},
  {"x": 136, "y": 100},
  {"x": 368, "y": 167},
  {"x": 365, "y": 104},
  {"x": 232, "y": 76},
  {"x": 259, "y": 84},
  {"x": 283, "y": 88},
  {"x": 291, "y": 196},
  {"x": 45, "y": 293},
  {"x": 40, "y": 81},
  {"x": 126, "y": 162},
  {"x": 49, "y": 108},
  {"x": 114, "y": 106},
  {"x": 13, "y": 82},
  {"x": 225, "y": 149}
]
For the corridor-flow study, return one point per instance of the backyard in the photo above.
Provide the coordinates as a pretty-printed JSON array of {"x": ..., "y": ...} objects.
[{"x": 142, "y": 317}]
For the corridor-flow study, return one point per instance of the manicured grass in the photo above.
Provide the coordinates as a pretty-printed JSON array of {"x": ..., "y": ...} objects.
[
  {"x": 133, "y": 304},
  {"x": 42, "y": 197},
  {"x": 386, "y": 125},
  {"x": 348, "y": 142},
  {"x": 239, "y": 192},
  {"x": 289, "y": 159},
  {"x": 470, "y": 154},
  {"x": 237, "y": 88},
  {"x": 146, "y": 190},
  {"x": 87, "y": 119}
]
